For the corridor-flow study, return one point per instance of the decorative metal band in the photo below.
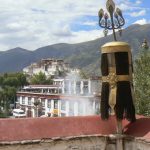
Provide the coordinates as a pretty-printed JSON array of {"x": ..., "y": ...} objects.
[
  {"x": 112, "y": 50},
  {"x": 112, "y": 78},
  {"x": 116, "y": 43},
  {"x": 113, "y": 47}
]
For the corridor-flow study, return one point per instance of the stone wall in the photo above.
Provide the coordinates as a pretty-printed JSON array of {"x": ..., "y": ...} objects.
[
  {"x": 136, "y": 144},
  {"x": 96, "y": 142}
]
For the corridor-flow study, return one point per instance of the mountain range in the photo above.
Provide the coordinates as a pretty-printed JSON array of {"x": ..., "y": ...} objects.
[{"x": 85, "y": 56}]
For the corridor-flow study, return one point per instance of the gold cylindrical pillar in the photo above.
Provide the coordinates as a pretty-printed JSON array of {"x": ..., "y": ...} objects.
[{"x": 116, "y": 68}]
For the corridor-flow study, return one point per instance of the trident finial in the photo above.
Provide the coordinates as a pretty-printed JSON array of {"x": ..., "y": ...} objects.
[{"x": 112, "y": 21}]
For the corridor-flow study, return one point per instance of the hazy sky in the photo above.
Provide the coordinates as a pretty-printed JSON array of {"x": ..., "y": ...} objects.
[{"x": 31, "y": 24}]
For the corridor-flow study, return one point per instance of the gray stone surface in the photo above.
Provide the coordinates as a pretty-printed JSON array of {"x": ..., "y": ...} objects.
[{"x": 77, "y": 143}]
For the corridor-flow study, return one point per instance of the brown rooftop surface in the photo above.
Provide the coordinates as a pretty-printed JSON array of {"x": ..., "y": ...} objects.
[
  {"x": 140, "y": 128},
  {"x": 43, "y": 128}
]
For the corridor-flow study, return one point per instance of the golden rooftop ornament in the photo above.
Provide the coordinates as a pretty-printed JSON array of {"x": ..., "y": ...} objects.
[{"x": 116, "y": 68}]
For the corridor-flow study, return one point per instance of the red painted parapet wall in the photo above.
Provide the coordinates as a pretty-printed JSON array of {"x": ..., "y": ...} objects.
[{"x": 45, "y": 128}]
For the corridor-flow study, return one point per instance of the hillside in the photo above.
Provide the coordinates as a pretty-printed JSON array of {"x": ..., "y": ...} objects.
[{"x": 84, "y": 55}]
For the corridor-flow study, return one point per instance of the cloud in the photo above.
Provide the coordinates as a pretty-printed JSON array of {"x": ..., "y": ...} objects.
[
  {"x": 90, "y": 23},
  {"x": 128, "y": 5},
  {"x": 82, "y": 36},
  {"x": 63, "y": 32},
  {"x": 30, "y": 24},
  {"x": 141, "y": 21},
  {"x": 138, "y": 2},
  {"x": 137, "y": 14}
]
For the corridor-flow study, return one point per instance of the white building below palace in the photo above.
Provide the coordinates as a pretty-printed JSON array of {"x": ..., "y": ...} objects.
[{"x": 64, "y": 98}]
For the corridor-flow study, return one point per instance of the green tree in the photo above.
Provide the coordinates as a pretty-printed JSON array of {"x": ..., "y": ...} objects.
[
  {"x": 7, "y": 97},
  {"x": 40, "y": 79},
  {"x": 142, "y": 82},
  {"x": 1, "y": 80},
  {"x": 9, "y": 84},
  {"x": 11, "y": 81},
  {"x": 22, "y": 78},
  {"x": 2, "y": 114}
]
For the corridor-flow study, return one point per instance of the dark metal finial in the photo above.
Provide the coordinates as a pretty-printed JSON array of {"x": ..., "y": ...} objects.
[{"x": 112, "y": 21}]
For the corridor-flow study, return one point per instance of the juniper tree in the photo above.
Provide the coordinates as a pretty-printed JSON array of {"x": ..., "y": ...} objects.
[{"x": 142, "y": 82}]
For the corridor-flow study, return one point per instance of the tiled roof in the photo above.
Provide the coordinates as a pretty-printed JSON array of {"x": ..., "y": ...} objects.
[{"x": 44, "y": 128}]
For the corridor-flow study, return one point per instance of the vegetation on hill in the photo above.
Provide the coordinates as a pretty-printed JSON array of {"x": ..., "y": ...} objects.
[{"x": 142, "y": 82}]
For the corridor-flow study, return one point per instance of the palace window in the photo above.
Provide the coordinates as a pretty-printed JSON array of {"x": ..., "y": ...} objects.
[
  {"x": 71, "y": 108},
  {"x": 55, "y": 104},
  {"x": 63, "y": 105},
  {"x": 23, "y": 100},
  {"x": 85, "y": 87},
  {"x": 78, "y": 87},
  {"x": 18, "y": 99},
  {"x": 29, "y": 100},
  {"x": 63, "y": 114},
  {"x": 49, "y": 103},
  {"x": 80, "y": 108},
  {"x": 43, "y": 102}
]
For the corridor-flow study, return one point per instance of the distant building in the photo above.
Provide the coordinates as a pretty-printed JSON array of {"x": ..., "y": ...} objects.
[
  {"x": 66, "y": 97},
  {"x": 50, "y": 67}
]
